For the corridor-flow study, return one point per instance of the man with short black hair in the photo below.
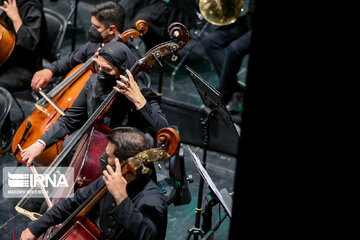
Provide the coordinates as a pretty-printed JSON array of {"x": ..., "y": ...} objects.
[
  {"x": 134, "y": 207},
  {"x": 107, "y": 21}
]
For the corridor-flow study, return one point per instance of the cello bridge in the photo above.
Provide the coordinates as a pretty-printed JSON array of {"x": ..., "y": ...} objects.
[{"x": 41, "y": 109}]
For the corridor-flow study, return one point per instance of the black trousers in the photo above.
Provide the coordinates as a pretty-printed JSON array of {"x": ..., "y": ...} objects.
[{"x": 226, "y": 47}]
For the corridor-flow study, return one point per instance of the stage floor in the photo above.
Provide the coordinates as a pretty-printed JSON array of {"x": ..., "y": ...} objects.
[{"x": 220, "y": 165}]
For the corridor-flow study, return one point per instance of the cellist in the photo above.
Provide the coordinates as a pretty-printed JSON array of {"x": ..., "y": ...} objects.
[
  {"x": 135, "y": 106},
  {"x": 107, "y": 20},
  {"x": 26, "y": 20},
  {"x": 134, "y": 208}
]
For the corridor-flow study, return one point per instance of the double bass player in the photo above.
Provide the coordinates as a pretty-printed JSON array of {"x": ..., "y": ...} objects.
[
  {"x": 135, "y": 105},
  {"x": 134, "y": 208}
]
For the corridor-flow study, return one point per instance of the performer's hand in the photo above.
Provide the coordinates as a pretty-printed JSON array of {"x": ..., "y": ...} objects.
[
  {"x": 131, "y": 90},
  {"x": 41, "y": 79},
  {"x": 115, "y": 182},
  {"x": 12, "y": 12},
  {"x": 27, "y": 235},
  {"x": 29, "y": 154}
]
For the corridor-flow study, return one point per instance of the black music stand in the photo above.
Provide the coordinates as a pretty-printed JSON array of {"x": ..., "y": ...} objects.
[
  {"x": 224, "y": 200},
  {"x": 213, "y": 103}
]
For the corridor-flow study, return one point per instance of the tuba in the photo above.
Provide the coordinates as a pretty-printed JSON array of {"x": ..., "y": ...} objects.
[{"x": 221, "y": 12}]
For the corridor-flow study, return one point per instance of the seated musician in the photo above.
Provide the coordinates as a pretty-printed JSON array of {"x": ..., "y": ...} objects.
[
  {"x": 107, "y": 21},
  {"x": 26, "y": 20},
  {"x": 134, "y": 208},
  {"x": 135, "y": 104}
]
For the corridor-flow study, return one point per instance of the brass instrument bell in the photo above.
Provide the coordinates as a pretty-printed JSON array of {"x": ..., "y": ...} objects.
[{"x": 221, "y": 12}]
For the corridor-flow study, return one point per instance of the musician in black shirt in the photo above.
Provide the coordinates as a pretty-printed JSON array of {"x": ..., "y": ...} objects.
[
  {"x": 27, "y": 21},
  {"x": 134, "y": 208},
  {"x": 107, "y": 22}
]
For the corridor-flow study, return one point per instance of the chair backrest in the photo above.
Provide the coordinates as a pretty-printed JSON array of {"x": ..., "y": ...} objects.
[
  {"x": 5, "y": 104},
  {"x": 56, "y": 27}
]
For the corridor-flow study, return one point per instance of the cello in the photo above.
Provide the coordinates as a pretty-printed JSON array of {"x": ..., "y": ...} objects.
[
  {"x": 7, "y": 42},
  {"x": 77, "y": 225},
  {"x": 54, "y": 104}
]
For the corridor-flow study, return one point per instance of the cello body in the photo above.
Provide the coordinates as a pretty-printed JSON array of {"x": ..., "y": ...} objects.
[
  {"x": 41, "y": 119},
  {"x": 7, "y": 42}
]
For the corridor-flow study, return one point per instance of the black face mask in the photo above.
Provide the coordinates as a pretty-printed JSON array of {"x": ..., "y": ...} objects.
[
  {"x": 95, "y": 35},
  {"x": 106, "y": 80}
]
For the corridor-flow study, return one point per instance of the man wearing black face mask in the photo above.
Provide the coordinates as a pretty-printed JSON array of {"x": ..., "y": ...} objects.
[
  {"x": 135, "y": 106},
  {"x": 107, "y": 22}
]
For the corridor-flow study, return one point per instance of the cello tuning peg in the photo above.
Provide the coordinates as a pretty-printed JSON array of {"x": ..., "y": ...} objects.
[
  {"x": 174, "y": 58},
  {"x": 157, "y": 56},
  {"x": 145, "y": 170}
]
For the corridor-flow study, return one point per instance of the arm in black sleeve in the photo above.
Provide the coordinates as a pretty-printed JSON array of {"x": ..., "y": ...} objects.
[
  {"x": 71, "y": 60},
  {"x": 143, "y": 223},
  {"x": 74, "y": 118},
  {"x": 28, "y": 35},
  {"x": 151, "y": 114},
  {"x": 63, "y": 209}
]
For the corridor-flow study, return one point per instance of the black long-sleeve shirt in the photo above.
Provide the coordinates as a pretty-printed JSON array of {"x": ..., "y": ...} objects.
[
  {"x": 142, "y": 215},
  {"x": 78, "y": 56},
  {"x": 122, "y": 113},
  {"x": 71, "y": 60},
  {"x": 31, "y": 37}
]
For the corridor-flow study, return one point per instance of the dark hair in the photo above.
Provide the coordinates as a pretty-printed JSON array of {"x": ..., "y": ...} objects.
[
  {"x": 109, "y": 13},
  {"x": 128, "y": 142}
]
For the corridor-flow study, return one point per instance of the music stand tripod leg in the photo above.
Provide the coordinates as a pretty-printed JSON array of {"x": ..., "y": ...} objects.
[{"x": 205, "y": 123}]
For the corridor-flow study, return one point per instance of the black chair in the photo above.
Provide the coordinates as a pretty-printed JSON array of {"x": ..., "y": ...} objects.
[
  {"x": 56, "y": 27},
  {"x": 174, "y": 184},
  {"x": 5, "y": 105}
]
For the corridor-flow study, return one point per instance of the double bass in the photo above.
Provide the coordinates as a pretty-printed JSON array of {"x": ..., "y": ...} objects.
[{"x": 54, "y": 104}]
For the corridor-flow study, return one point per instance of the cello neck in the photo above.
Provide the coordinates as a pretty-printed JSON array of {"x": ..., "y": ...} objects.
[{"x": 56, "y": 90}]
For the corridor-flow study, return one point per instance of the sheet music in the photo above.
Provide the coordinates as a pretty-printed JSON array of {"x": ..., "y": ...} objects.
[{"x": 207, "y": 179}]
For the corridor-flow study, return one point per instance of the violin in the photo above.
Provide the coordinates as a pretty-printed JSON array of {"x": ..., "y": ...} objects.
[
  {"x": 77, "y": 225},
  {"x": 54, "y": 104},
  {"x": 7, "y": 42}
]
